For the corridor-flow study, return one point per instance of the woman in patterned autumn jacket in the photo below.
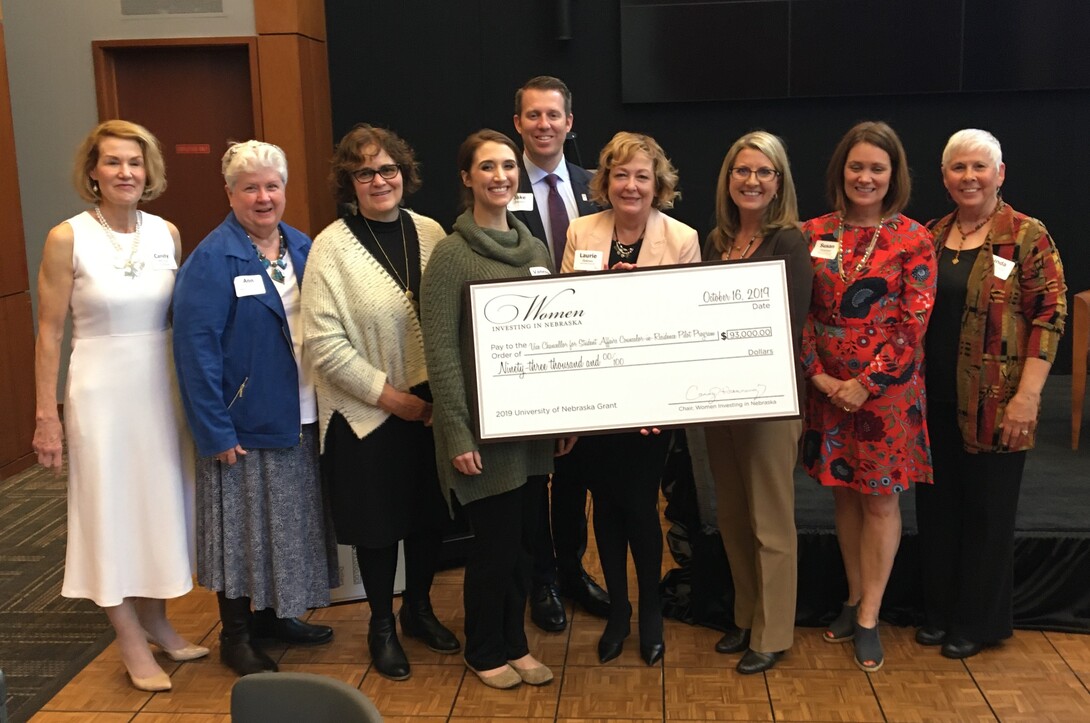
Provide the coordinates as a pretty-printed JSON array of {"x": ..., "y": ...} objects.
[{"x": 999, "y": 314}]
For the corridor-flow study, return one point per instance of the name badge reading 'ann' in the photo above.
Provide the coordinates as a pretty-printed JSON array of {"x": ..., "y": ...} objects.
[{"x": 250, "y": 285}]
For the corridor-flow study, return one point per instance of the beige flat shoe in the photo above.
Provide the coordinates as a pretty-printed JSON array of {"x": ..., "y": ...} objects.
[
  {"x": 537, "y": 675},
  {"x": 508, "y": 678}
]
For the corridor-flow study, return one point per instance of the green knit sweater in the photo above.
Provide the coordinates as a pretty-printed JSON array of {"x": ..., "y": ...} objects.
[{"x": 471, "y": 254}]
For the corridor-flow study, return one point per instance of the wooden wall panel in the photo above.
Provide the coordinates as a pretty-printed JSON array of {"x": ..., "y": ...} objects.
[
  {"x": 16, "y": 317},
  {"x": 286, "y": 17},
  {"x": 13, "y": 271},
  {"x": 16, "y": 383},
  {"x": 296, "y": 116}
]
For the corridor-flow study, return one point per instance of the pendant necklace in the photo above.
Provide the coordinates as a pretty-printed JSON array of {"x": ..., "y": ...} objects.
[
  {"x": 278, "y": 264},
  {"x": 957, "y": 225},
  {"x": 745, "y": 250},
  {"x": 840, "y": 250},
  {"x": 131, "y": 267},
  {"x": 404, "y": 283},
  {"x": 624, "y": 251}
]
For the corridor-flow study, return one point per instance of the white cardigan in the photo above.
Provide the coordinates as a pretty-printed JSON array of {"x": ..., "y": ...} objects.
[{"x": 359, "y": 329}]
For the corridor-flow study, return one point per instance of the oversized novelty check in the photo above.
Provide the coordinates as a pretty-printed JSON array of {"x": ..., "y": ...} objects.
[{"x": 621, "y": 350}]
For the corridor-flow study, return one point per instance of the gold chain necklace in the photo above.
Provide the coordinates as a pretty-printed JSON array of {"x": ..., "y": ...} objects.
[
  {"x": 404, "y": 249},
  {"x": 132, "y": 268},
  {"x": 957, "y": 225},
  {"x": 745, "y": 250},
  {"x": 840, "y": 249}
]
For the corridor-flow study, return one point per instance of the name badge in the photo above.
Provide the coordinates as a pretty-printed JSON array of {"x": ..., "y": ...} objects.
[
  {"x": 1003, "y": 267},
  {"x": 588, "y": 260},
  {"x": 539, "y": 271},
  {"x": 163, "y": 262},
  {"x": 824, "y": 250},
  {"x": 250, "y": 285},
  {"x": 521, "y": 202}
]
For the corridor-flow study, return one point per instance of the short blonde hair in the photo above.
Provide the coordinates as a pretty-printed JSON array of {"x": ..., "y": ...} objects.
[
  {"x": 621, "y": 149},
  {"x": 155, "y": 170},
  {"x": 252, "y": 156},
  {"x": 782, "y": 212}
]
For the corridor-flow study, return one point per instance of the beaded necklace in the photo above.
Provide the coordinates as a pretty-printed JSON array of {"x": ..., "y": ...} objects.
[
  {"x": 957, "y": 225},
  {"x": 130, "y": 265},
  {"x": 866, "y": 254},
  {"x": 278, "y": 264}
]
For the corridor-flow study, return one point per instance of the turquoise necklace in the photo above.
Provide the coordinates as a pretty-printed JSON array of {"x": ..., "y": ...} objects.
[{"x": 278, "y": 264}]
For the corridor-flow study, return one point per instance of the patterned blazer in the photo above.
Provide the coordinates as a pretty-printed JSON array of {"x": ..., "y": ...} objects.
[{"x": 1006, "y": 321}]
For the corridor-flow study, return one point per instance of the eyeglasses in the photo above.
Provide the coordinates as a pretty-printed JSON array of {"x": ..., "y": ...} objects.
[
  {"x": 366, "y": 175},
  {"x": 764, "y": 173}
]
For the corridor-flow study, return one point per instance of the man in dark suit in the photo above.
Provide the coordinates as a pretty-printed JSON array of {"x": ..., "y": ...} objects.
[{"x": 551, "y": 192}]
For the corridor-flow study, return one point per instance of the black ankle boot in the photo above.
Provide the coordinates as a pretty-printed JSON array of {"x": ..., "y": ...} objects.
[
  {"x": 237, "y": 651},
  {"x": 418, "y": 621},
  {"x": 386, "y": 653},
  {"x": 265, "y": 625}
]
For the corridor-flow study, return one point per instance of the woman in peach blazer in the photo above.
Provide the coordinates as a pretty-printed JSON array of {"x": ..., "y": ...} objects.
[{"x": 636, "y": 180}]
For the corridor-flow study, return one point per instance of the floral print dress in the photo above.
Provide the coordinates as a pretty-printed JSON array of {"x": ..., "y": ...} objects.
[{"x": 870, "y": 328}]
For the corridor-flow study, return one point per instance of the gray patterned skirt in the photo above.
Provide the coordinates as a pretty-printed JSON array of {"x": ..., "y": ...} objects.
[{"x": 264, "y": 529}]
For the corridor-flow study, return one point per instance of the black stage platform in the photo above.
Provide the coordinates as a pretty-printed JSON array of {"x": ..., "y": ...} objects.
[{"x": 1052, "y": 544}]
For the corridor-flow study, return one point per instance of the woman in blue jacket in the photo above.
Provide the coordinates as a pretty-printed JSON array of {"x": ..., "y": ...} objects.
[{"x": 263, "y": 541}]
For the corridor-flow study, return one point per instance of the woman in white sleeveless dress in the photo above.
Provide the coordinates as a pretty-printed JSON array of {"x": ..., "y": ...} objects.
[{"x": 129, "y": 482}]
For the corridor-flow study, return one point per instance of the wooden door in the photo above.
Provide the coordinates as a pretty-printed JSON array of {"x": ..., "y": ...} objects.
[
  {"x": 195, "y": 96},
  {"x": 16, "y": 322}
]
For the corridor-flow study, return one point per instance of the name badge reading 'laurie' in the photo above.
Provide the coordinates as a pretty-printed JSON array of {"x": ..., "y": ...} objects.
[
  {"x": 250, "y": 285},
  {"x": 588, "y": 260}
]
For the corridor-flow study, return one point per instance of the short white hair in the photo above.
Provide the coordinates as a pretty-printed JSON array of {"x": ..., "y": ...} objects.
[
  {"x": 973, "y": 139},
  {"x": 252, "y": 156}
]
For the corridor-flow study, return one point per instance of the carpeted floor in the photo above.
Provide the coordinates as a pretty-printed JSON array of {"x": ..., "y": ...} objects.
[{"x": 45, "y": 639}]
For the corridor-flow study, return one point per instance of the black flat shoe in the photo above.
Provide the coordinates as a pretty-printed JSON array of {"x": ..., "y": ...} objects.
[
  {"x": 733, "y": 641},
  {"x": 754, "y": 662},
  {"x": 960, "y": 648},
  {"x": 419, "y": 621},
  {"x": 930, "y": 636},
  {"x": 293, "y": 631},
  {"x": 387, "y": 655},
  {"x": 652, "y": 653},
  {"x": 240, "y": 655},
  {"x": 546, "y": 609},
  {"x": 586, "y": 593}
]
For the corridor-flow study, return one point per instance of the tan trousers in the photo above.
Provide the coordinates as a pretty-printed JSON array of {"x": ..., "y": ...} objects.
[{"x": 753, "y": 466}]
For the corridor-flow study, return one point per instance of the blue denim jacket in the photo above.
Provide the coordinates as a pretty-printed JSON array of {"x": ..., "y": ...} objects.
[{"x": 234, "y": 356}]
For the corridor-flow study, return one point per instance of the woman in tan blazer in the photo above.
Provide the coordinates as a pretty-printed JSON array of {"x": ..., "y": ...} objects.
[{"x": 635, "y": 180}]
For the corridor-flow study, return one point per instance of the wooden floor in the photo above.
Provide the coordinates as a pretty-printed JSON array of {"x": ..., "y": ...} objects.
[{"x": 1033, "y": 677}]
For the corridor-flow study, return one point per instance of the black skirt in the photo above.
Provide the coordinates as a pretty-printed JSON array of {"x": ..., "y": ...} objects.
[{"x": 383, "y": 487}]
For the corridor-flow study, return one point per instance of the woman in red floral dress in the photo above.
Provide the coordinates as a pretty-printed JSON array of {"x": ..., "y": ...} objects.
[{"x": 874, "y": 285}]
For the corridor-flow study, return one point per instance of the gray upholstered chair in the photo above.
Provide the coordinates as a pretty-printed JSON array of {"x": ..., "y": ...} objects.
[{"x": 292, "y": 697}]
